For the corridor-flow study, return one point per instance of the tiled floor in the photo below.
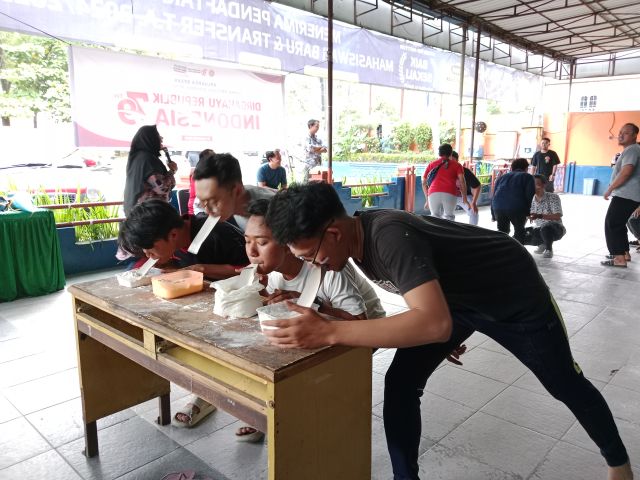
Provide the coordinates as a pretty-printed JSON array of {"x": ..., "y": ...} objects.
[{"x": 488, "y": 419}]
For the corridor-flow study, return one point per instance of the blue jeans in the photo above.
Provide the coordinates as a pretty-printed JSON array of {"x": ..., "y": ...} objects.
[{"x": 541, "y": 345}]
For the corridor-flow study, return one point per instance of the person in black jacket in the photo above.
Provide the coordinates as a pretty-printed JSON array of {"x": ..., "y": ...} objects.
[
  {"x": 512, "y": 199},
  {"x": 147, "y": 177}
]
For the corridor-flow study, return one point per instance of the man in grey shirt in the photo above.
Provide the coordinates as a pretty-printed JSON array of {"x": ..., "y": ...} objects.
[{"x": 624, "y": 191}]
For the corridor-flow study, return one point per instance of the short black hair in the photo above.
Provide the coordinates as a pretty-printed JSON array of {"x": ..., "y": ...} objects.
[
  {"x": 455, "y": 155},
  {"x": 312, "y": 122},
  {"x": 545, "y": 138},
  {"x": 445, "y": 150},
  {"x": 634, "y": 128},
  {"x": 269, "y": 155},
  {"x": 542, "y": 178},
  {"x": 519, "y": 164},
  {"x": 303, "y": 211},
  {"x": 258, "y": 207},
  {"x": 206, "y": 153},
  {"x": 224, "y": 167},
  {"x": 148, "y": 222}
]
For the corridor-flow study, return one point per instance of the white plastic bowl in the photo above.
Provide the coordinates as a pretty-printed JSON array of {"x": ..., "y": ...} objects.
[{"x": 276, "y": 311}]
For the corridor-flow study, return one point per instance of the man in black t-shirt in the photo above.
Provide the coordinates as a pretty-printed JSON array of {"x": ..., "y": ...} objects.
[
  {"x": 154, "y": 229},
  {"x": 455, "y": 279},
  {"x": 546, "y": 162}
]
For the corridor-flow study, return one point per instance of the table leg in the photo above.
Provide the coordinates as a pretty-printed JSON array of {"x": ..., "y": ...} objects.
[
  {"x": 110, "y": 382},
  {"x": 91, "y": 439},
  {"x": 164, "y": 408},
  {"x": 319, "y": 421}
]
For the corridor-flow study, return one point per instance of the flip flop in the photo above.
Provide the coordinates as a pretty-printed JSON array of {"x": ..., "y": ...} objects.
[
  {"x": 184, "y": 475},
  {"x": 204, "y": 409},
  {"x": 627, "y": 256},
  {"x": 252, "y": 437},
  {"x": 609, "y": 263}
]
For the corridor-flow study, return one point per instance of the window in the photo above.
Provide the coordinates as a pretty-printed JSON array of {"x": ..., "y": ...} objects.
[
  {"x": 583, "y": 102},
  {"x": 588, "y": 103}
]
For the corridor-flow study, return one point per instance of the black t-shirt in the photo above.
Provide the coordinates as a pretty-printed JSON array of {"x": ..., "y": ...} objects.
[
  {"x": 471, "y": 180},
  {"x": 480, "y": 270},
  {"x": 224, "y": 245},
  {"x": 544, "y": 162}
]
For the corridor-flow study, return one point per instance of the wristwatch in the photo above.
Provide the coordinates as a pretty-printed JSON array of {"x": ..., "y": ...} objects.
[{"x": 318, "y": 301}]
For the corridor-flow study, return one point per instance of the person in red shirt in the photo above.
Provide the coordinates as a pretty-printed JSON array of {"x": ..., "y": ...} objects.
[{"x": 441, "y": 194}]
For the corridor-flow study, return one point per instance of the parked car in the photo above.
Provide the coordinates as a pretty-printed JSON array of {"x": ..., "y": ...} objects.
[{"x": 61, "y": 184}]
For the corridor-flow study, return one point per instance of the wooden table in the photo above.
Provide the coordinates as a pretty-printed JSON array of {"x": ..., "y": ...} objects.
[{"x": 314, "y": 405}]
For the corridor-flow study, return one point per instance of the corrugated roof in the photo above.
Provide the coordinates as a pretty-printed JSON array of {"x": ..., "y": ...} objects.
[{"x": 562, "y": 29}]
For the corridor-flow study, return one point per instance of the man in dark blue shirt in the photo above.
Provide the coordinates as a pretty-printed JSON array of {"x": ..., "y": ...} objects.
[
  {"x": 272, "y": 174},
  {"x": 512, "y": 197}
]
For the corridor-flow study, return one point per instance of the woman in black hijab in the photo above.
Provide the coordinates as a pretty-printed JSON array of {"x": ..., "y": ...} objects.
[{"x": 147, "y": 176}]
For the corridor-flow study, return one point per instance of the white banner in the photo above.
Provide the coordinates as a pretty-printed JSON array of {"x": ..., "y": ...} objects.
[{"x": 194, "y": 106}]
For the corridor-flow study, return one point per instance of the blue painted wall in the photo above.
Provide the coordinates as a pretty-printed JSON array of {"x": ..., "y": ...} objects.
[
  {"x": 85, "y": 257},
  {"x": 393, "y": 198},
  {"x": 576, "y": 174}
]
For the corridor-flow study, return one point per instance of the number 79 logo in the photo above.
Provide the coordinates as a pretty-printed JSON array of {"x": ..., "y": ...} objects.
[{"x": 130, "y": 109}]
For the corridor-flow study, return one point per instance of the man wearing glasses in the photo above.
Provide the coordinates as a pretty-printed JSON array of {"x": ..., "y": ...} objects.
[
  {"x": 343, "y": 294},
  {"x": 436, "y": 266}
]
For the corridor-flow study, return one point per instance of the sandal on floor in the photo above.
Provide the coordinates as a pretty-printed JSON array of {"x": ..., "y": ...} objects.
[
  {"x": 627, "y": 256},
  {"x": 184, "y": 475},
  {"x": 196, "y": 411},
  {"x": 249, "y": 434},
  {"x": 609, "y": 263}
]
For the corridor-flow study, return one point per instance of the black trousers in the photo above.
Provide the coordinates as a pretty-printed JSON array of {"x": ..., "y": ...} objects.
[
  {"x": 634, "y": 227},
  {"x": 507, "y": 218},
  {"x": 541, "y": 345},
  {"x": 550, "y": 233},
  {"x": 615, "y": 224}
]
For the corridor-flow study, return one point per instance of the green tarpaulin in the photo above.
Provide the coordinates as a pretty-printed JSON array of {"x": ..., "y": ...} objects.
[{"x": 30, "y": 258}]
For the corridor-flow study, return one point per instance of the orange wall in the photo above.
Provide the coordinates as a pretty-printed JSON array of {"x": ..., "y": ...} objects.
[{"x": 586, "y": 141}]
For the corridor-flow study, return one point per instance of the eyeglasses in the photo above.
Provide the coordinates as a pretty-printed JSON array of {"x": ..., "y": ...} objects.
[{"x": 304, "y": 259}]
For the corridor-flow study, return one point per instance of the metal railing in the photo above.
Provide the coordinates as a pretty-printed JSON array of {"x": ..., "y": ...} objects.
[{"x": 79, "y": 223}]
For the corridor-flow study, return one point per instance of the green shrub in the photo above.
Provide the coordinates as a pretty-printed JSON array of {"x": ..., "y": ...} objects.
[
  {"x": 403, "y": 136},
  {"x": 365, "y": 191},
  {"x": 422, "y": 136},
  {"x": 84, "y": 233},
  {"x": 447, "y": 132}
]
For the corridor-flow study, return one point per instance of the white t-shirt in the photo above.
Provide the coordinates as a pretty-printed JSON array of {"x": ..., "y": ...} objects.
[{"x": 338, "y": 288}]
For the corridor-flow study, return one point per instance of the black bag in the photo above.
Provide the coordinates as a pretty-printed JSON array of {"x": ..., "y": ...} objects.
[
  {"x": 432, "y": 175},
  {"x": 532, "y": 236}
]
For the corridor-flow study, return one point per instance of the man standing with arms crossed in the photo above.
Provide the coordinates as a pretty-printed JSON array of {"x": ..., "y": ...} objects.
[{"x": 313, "y": 149}]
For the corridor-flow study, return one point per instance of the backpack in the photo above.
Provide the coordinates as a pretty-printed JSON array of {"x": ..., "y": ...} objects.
[{"x": 432, "y": 175}]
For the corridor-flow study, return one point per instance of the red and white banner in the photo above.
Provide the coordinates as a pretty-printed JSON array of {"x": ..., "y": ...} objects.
[{"x": 194, "y": 106}]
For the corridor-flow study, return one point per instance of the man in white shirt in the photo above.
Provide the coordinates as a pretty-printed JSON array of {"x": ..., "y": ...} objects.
[{"x": 345, "y": 294}]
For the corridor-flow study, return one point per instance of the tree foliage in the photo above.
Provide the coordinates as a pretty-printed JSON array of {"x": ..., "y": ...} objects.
[{"x": 34, "y": 78}]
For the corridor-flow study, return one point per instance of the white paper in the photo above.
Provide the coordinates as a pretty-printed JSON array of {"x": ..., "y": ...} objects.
[
  {"x": 204, "y": 232},
  {"x": 247, "y": 275},
  {"x": 311, "y": 286},
  {"x": 144, "y": 269}
]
